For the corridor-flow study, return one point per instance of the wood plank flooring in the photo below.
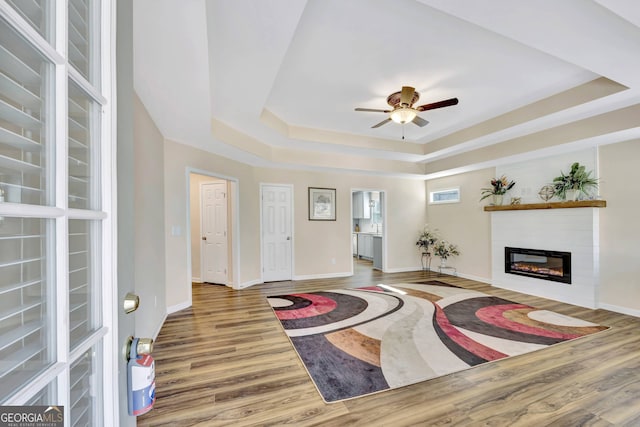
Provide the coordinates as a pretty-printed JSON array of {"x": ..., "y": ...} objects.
[{"x": 226, "y": 361}]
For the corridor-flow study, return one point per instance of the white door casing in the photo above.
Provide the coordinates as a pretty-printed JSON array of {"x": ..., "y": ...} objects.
[
  {"x": 277, "y": 237},
  {"x": 364, "y": 243},
  {"x": 214, "y": 232}
]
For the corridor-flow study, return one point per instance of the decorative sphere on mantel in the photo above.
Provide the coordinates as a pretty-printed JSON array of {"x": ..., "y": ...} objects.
[{"x": 547, "y": 192}]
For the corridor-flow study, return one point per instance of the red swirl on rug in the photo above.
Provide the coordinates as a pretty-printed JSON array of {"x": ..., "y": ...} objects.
[
  {"x": 494, "y": 315},
  {"x": 464, "y": 341},
  {"x": 319, "y": 305}
]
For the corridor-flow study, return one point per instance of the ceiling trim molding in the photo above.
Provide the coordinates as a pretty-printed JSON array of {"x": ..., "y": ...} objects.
[
  {"x": 584, "y": 93},
  {"x": 306, "y": 158},
  {"x": 604, "y": 127},
  {"x": 338, "y": 138},
  {"x": 631, "y": 135}
]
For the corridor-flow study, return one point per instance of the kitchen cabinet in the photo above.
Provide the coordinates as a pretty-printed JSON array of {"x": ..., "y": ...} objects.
[
  {"x": 361, "y": 207},
  {"x": 377, "y": 252},
  {"x": 365, "y": 245},
  {"x": 354, "y": 245}
]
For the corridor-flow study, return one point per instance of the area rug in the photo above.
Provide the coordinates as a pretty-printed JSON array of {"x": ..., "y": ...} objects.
[{"x": 355, "y": 342}]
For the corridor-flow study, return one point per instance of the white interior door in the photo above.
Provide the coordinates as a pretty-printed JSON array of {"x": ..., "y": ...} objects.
[
  {"x": 214, "y": 232},
  {"x": 276, "y": 232}
]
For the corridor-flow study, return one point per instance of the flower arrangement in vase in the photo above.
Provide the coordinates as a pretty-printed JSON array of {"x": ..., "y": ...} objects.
[
  {"x": 499, "y": 187},
  {"x": 444, "y": 250},
  {"x": 577, "y": 181},
  {"x": 426, "y": 238}
]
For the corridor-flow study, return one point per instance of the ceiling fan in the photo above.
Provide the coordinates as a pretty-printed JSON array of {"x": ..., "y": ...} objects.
[{"x": 403, "y": 110}]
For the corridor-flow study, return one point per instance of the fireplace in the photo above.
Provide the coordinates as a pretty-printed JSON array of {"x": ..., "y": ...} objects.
[{"x": 537, "y": 263}]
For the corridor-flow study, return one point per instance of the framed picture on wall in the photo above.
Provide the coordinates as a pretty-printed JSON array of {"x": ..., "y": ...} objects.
[{"x": 322, "y": 204}]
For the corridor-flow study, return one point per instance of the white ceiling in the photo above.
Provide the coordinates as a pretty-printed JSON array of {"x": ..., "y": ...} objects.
[{"x": 275, "y": 82}]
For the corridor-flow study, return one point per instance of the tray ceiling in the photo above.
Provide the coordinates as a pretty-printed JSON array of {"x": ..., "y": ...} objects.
[{"x": 275, "y": 83}]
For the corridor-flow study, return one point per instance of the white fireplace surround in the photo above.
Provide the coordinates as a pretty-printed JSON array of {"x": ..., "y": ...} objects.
[{"x": 572, "y": 230}]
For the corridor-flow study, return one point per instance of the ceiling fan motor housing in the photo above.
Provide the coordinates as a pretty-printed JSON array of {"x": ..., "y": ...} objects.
[{"x": 394, "y": 99}]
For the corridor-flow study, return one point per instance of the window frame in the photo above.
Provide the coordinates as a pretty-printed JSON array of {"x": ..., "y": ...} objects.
[
  {"x": 444, "y": 190},
  {"x": 103, "y": 93}
]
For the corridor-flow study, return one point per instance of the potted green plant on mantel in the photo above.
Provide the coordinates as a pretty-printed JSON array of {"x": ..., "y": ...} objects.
[{"x": 578, "y": 181}]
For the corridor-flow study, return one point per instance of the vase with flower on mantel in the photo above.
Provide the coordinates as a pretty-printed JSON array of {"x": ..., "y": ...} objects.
[
  {"x": 443, "y": 262},
  {"x": 497, "y": 199}
]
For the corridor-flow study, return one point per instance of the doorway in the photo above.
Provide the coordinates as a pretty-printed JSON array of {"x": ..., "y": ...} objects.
[
  {"x": 368, "y": 231},
  {"x": 212, "y": 228}
]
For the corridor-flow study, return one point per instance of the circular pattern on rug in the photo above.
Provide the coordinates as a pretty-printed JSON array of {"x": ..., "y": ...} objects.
[
  {"x": 502, "y": 319},
  {"x": 332, "y": 310},
  {"x": 303, "y": 306},
  {"x": 280, "y": 302},
  {"x": 549, "y": 317}
]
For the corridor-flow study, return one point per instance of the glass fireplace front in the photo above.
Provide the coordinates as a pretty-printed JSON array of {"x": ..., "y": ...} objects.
[{"x": 538, "y": 263}]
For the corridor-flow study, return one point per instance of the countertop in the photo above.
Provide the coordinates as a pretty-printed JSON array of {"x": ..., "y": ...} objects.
[{"x": 373, "y": 233}]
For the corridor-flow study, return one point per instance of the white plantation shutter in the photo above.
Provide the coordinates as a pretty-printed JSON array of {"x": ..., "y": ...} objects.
[
  {"x": 55, "y": 332},
  {"x": 83, "y": 373},
  {"x": 26, "y": 315},
  {"x": 84, "y": 125},
  {"x": 26, "y": 128},
  {"x": 84, "y": 279},
  {"x": 26, "y": 310},
  {"x": 38, "y": 14}
]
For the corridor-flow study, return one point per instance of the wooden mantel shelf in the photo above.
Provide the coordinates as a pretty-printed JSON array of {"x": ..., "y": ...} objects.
[{"x": 553, "y": 205}]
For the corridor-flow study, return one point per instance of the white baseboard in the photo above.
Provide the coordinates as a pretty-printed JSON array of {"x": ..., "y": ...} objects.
[
  {"x": 322, "y": 276},
  {"x": 621, "y": 310},
  {"x": 196, "y": 280},
  {"x": 402, "y": 270},
  {"x": 178, "y": 307},
  {"x": 157, "y": 331},
  {"x": 435, "y": 270},
  {"x": 476, "y": 278},
  {"x": 244, "y": 285}
]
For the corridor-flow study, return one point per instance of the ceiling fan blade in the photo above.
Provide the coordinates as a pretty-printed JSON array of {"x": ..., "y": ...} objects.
[
  {"x": 439, "y": 104},
  {"x": 420, "y": 121},
  {"x": 372, "y": 110},
  {"x": 406, "y": 96},
  {"x": 384, "y": 122}
]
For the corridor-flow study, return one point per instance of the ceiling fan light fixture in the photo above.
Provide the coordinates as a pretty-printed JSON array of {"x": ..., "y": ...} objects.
[
  {"x": 403, "y": 108},
  {"x": 403, "y": 115}
]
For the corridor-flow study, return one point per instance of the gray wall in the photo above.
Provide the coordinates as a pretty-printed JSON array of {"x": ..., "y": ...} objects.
[
  {"x": 148, "y": 233},
  {"x": 619, "y": 229}
]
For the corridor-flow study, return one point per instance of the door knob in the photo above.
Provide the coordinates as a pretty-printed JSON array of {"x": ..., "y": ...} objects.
[
  {"x": 288, "y": 237},
  {"x": 144, "y": 346},
  {"x": 204, "y": 237}
]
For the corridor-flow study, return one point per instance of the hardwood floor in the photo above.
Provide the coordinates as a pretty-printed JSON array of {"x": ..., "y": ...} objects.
[{"x": 226, "y": 361}]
